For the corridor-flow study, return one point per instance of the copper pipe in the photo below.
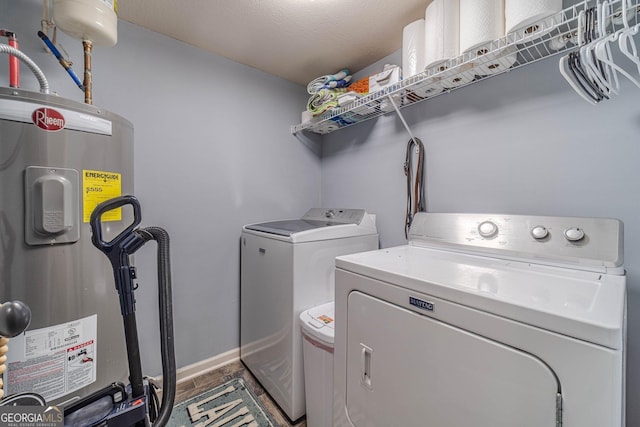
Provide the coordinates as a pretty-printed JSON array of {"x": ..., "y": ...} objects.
[{"x": 87, "y": 71}]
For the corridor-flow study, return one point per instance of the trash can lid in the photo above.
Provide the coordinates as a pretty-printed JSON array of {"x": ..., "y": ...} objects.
[{"x": 319, "y": 322}]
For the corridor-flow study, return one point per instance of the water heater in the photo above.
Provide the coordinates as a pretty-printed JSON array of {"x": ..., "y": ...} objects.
[
  {"x": 94, "y": 20},
  {"x": 58, "y": 160}
]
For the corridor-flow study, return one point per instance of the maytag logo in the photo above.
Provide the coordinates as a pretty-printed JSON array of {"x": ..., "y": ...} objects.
[
  {"x": 48, "y": 119},
  {"x": 424, "y": 305}
]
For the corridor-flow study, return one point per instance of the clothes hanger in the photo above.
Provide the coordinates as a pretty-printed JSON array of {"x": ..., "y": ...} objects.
[
  {"x": 626, "y": 40},
  {"x": 570, "y": 72},
  {"x": 605, "y": 75},
  {"x": 590, "y": 77},
  {"x": 603, "y": 49},
  {"x": 584, "y": 78},
  {"x": 593, "y": 68},
  {"x": 576, "y": 85}
]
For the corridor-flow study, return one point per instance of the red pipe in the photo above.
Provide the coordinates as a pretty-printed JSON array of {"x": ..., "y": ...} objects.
[{"x": 14, "y": 64}]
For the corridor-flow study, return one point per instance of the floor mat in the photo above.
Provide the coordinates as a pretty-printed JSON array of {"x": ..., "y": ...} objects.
[{"x": 229, "y": 405}]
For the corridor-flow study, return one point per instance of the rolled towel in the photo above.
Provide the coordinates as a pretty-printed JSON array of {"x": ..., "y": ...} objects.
[
  {"x": 318, "y": 83},
  {"x": 323, "y": 100},
  {"x": 338, "y": 83}
]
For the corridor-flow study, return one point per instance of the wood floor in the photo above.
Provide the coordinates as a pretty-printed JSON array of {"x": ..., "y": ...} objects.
[{"x": 193, "y": 387}]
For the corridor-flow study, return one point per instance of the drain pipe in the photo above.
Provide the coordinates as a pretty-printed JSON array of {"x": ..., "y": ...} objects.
[
  {"x": 14, "y": 65},
  {"x": 88, "y": 97},
  {"x": 44, "y": 84}
]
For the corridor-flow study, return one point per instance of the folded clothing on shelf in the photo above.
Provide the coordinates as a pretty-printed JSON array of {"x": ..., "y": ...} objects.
[
  {"x": 323, "y": 100},
  {"x": 330, "y": 81}
]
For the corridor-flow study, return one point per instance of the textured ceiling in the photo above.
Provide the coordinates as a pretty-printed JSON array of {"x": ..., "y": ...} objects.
[{"x": 297, "y": 40}]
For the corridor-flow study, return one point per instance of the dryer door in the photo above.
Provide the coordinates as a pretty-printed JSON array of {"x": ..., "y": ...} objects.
[{"x": 405, "y": 369}]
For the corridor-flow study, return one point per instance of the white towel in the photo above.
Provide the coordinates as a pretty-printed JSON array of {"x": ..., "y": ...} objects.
[{"x": 318, "y": 83}]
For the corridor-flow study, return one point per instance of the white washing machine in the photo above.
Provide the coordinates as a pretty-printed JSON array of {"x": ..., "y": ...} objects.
[
  {"x": 484, "y": 321},
  {"x": 288, "y": 267}
]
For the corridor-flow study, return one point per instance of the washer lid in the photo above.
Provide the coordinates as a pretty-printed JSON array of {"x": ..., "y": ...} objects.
[
  {"x": 288, "y": 227},
  {"x": 589, "y": 306},
  {"x": 318, "y": 224}
]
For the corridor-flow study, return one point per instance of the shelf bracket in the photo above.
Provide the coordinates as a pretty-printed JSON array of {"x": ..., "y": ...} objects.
[{"x": 406, "y": 126}]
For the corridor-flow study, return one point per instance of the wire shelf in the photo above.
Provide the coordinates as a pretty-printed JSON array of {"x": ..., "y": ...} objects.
[{"x": 548, "y": 37}]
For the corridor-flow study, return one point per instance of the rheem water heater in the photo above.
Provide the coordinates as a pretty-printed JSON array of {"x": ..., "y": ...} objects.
[{"x": 58, "y": 160}]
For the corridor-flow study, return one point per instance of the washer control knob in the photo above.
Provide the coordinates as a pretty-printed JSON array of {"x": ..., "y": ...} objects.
[
  {"x": 539, "y": 232},
  {"x": 329, "y": 214},
  {"x": 487, "y": 229},
  {"x": 574, "y": 234}
]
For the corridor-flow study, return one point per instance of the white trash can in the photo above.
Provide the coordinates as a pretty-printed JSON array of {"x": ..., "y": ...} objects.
[{"x": 317, "y": 352}]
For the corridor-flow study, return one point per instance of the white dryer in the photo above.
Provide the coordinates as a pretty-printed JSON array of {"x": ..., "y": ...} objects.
[
  {"x": 484, "y": 321},
  {"x": 288, "y": 267}
]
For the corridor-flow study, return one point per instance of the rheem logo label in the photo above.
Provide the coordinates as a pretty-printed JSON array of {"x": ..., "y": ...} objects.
[{"x": 48, "y": 119}]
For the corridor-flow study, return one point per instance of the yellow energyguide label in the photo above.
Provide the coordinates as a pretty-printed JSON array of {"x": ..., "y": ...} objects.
[{"x": 98, "y": 186}]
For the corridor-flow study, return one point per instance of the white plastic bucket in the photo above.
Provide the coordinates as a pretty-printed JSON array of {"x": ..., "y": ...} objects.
[{"x": 317, "y": 351}]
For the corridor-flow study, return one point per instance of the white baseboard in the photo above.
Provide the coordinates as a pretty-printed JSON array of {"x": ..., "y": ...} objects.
[{"x": 189, "y": 372}]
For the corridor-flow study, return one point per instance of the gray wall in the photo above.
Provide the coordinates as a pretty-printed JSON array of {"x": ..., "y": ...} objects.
[
  {"x": 522, "y": 143},
  {"x": 213, "y": 151}
]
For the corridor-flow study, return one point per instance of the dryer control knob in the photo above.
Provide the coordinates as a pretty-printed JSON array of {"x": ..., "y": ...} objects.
[
  {"x": 329, "y": 214},
  {"x": 487, "y": 229},
  {"x": 574, "y": 234},
  {"x": 539, "y": 232}
]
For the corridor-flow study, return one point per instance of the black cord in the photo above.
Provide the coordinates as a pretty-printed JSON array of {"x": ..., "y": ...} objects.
[
  {"x": 154, "y": 403},
  {"x": 166, "y": 322},
  {"x": 415, "y": 188}
]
